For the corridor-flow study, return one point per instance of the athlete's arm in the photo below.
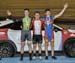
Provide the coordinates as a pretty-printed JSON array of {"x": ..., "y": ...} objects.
[
  {"x": 58, "y": 15},
  {"x": 31, "y": 24},
  {"x": 44, "y": 25}
]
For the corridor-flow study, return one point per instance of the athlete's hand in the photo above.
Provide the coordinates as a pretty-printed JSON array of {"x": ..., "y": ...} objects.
[
  {"x": 66, "y": 5},
  {"x": 21, "y": 26}
]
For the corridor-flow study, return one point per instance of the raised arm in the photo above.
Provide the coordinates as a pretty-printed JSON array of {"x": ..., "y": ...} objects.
[{"x": 58, "y": 15}]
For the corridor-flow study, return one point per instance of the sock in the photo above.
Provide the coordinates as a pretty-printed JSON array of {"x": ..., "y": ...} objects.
[
  {"x": 39, "y": 54},
  {"x": 34, "y": 54},
  {"x": 30, "y": 56},
  {"x": 21, "y": 57}
]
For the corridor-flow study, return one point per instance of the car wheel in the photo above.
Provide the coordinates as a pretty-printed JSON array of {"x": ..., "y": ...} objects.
[
  {"x": 69, "y": 47},
  {"x": 7, "y": 50}
]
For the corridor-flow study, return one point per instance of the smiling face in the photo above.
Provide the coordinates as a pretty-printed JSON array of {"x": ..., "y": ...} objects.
[
  {"x": 37, "y": 15},
  {"x": 47, "y": 12}
]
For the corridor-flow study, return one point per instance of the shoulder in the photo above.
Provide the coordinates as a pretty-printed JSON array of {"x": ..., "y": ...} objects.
[
  {"x": 44, "y": 18},
  {"x": 51, "y": 17},
  {"x": 30, "y": 17},
  {"x": 23, "y": 17}
]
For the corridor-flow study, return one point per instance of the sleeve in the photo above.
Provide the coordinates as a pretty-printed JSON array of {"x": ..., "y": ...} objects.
[
  {"x": 52, "y": 17},
  {"x": 43, "y": 18},
  {"x": 11, "y": 18},
  {"x": 43, "y": 23}
]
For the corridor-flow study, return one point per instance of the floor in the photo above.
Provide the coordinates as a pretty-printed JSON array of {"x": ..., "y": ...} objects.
[{"x": 60, "y": 59}]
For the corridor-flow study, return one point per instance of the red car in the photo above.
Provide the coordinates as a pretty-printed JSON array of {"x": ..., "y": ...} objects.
[{"x": 64, "y": 40}]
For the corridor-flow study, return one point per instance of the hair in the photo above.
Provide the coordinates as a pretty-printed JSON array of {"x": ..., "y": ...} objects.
[
  {"x": 37, "y": 12},
  {"x": 47, "y": 10},
  {"x": 26, "y": 9}
]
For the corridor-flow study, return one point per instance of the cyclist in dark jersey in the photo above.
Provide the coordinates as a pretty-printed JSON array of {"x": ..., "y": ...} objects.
[
  {"x": 9, "y": 16},
  {"x": 48, "y": 30}
]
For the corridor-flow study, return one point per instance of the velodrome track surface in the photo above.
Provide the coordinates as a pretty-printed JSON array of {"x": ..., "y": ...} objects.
[{"x": 60, "y": 59}]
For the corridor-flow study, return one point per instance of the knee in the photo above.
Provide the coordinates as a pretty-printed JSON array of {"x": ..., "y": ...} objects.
[
  {"x": 29, "y": 43},
  {"x": 46, "y": 43},
  {"x": 52, "y": 43},
  {"x": 22, "y": 44},
  {"x": 34, "y": 45},
  {"x": 39, "y": 45}
]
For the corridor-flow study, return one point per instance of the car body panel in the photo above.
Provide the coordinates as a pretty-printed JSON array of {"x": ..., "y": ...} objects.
[{"x": 15, "y": 36}]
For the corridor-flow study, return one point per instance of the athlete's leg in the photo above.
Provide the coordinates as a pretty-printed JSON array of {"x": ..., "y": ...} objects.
[
  {"x": 52, "y": 49},
  {"x": 30, "y": 46},
  {"x": 29, "y": 43},
  {"x": 40, "y": 44},
  {"x": 34, "y": 46},
  {"x": 34, "y": 50},
  {"x": 22, "y": 50},
  {"x": 22, "y": 44},
  {"x": 40, "y": 50},
  {"x": 46, "y": 47}
]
